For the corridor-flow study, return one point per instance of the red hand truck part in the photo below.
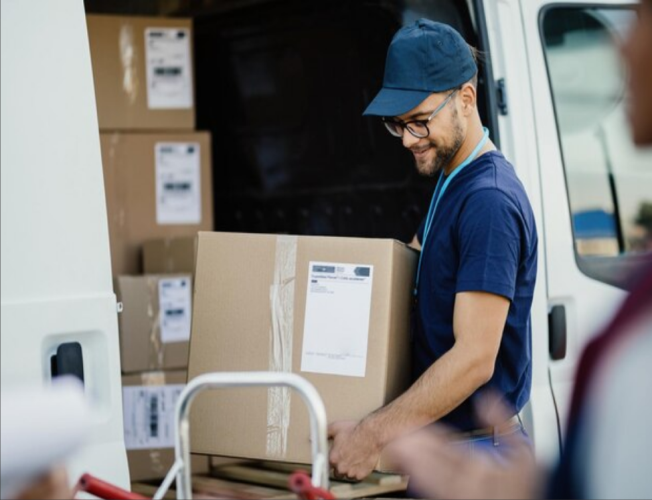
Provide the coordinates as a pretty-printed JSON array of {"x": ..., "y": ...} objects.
[
  {"x": 102, "y": 489},
  {"x": 300, "y": 484}
]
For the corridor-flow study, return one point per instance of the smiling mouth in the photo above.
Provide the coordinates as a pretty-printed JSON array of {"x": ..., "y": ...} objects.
[{"x": 420, "y": 153}]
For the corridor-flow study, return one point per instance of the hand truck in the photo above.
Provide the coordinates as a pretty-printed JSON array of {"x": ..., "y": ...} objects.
[{"x": 299, "y": 483}]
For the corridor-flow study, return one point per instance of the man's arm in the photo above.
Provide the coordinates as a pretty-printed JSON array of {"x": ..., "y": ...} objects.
[{"x": 478, "y": 323}]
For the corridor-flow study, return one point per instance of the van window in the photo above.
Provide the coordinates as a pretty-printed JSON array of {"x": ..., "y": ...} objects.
[{"x": 609, "y": 181}]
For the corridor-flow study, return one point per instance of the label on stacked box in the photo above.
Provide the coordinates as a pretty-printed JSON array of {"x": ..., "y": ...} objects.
[
  {"x": 175, "y": 306},
  {"x": 149, "y": 416},
  {"x": 169, "y": 69},
  {"x": 178, "y": 183}
]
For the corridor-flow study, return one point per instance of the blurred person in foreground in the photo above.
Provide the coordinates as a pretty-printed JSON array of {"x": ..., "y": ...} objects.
[
  {"x": 607, "y": 446},
  {"x": 41, "y": 427}
]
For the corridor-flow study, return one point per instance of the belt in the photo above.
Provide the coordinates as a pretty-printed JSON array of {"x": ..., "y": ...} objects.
[{"x": 506, "y": 427}]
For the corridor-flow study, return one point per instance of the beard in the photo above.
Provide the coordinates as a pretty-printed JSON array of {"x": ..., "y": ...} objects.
[{"x": 444, "y": 150}]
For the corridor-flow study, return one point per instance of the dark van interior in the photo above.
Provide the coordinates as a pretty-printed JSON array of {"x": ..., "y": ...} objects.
[{"x": 281, "y": 85}]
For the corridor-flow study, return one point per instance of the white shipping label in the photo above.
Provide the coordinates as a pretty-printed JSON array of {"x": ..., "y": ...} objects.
[
  {"x": 169, "y": 70},
  {"x": 149, "y": 415},
  {"x": 178, "y": 183},
  {"x": 175, "y": 306},
  {"x": 336, "y": 331}
]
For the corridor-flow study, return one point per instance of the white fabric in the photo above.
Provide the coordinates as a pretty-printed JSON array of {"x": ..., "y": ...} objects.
[{"x": 619, "y": 432}]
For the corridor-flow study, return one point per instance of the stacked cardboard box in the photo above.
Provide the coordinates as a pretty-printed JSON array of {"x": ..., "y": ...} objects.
[
  {"x": 157, "y": 169},
  {"x": 157, "y": 186},
  {"x": 333, "y": 310},
  {"x": 170, "y": 255},
  {"x": 157, "y": 176},
  {"x": 143, "y": 72},
  {"x": 154, "y": 325},
  {"x": 148, "y": 405}
]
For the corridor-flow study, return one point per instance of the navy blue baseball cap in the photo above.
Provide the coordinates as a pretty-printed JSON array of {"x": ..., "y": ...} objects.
[{"x": 423, "y": 58}]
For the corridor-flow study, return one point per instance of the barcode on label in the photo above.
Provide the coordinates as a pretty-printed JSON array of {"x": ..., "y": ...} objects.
[{"x": 153, "y": 416}]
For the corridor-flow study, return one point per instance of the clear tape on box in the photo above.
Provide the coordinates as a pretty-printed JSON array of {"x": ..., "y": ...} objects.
[{"x": 281, "y": 338}]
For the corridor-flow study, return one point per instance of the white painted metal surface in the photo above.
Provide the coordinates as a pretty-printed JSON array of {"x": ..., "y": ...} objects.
[{"x": 56, "y": 271}]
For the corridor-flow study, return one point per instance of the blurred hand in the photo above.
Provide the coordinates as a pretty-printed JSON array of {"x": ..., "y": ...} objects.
[
  {"x": 438, "y": 468},
  {"x": 51, "y": 486}
]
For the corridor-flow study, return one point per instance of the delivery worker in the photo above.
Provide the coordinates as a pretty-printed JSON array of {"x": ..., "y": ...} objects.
[
  {"x": 608, "y": 434},
  {"x": 478, "y": 261}
]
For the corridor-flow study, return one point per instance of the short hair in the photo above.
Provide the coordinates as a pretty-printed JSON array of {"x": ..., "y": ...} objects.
[{"x": 477, "y": 56}]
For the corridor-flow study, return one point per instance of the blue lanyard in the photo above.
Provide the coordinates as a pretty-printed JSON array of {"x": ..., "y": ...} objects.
[{"x": 439, "y": 193}]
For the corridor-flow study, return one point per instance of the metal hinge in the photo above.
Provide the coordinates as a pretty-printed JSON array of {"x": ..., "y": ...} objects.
[{"x": 501, "y": 95}]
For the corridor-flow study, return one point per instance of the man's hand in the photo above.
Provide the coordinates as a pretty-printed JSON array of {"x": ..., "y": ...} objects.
[{"x": 355, "y": 449}]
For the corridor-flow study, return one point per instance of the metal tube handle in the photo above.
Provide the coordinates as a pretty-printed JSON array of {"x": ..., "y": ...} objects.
[{"x": 309, "y": 394}]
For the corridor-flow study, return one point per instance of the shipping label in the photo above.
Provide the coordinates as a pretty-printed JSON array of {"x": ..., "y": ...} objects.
[
  {"x": 178, "y": 183},
  {"x": 175, "y": 309},
  {"x": 338, "y": 307},
  {"x": 169, "y": 69},
  {"x": 149, "y": 416}
]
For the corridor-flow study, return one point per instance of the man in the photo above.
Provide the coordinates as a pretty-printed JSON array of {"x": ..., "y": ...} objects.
[
  {"x": 478, "y": 255},
  {"x": 607, "y": 445}
]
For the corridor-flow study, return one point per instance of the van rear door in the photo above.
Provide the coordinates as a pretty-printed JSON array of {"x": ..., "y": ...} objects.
[
  {"x": 563, "y": 123},
  {"x": 567, "y": 117}
]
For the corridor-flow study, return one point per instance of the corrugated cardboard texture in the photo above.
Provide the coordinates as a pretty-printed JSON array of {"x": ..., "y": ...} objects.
[
  {"x": 231, "y": 332},
  {"x": 170, "y": 255},
  {"x": 145, "y": 465},
  {"x": 118, "y": 57},
  {"x": 129, "y": 166},
  {"x": 141, "y": 348}
]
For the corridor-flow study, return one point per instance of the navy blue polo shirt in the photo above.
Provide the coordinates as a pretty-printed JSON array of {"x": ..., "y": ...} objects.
[{"x": 483, "y": 238}]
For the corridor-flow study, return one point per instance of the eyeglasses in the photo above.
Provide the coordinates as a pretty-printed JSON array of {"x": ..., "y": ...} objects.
[{"x": 418, "y": 128}]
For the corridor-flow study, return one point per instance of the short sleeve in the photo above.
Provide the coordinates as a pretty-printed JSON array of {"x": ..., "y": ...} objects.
[{"x": 489, "y": 239}]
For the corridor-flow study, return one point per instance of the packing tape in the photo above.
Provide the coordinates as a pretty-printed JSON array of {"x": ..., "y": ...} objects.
[
  {"x": 281, "y": 335},
  {"x": 129, "y": 61},
  {"x": 153, "y": 378},
  {"x": 155, "y": 353}
]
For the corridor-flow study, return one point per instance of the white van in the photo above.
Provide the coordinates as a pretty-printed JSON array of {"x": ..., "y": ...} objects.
[{"x": 552, "y": 95}]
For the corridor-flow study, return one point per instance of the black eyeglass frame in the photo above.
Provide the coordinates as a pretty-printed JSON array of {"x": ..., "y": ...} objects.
[{"x": 406, "y": 125}]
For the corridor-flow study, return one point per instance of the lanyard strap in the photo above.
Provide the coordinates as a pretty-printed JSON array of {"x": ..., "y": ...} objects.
[{"x": 439, "y": 193}]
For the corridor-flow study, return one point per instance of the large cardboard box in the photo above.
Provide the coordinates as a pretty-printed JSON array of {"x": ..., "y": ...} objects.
[
  {"x": 170, "y": 255},
  {"x": 155, "y": 321},
  {"x": 333, "y": 310},
  {"x": 157, "y": 186},
  {"x": 148, "y": 406},
  {"x": 143, "y": 72}
]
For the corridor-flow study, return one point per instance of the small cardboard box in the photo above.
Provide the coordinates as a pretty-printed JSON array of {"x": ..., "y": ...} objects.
[
  {"x": 333, "y": 310},
  {"x": 143, "y": 72},
  {"x": 170, "y": 255},
  {"x": 148, "y": 405},
  {"x": 155, "y": 321},
  {"x": 157, "y": 186}
]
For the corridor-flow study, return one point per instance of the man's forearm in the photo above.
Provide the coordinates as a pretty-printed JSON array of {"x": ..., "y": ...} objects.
[{"x": 441, "y": 389}]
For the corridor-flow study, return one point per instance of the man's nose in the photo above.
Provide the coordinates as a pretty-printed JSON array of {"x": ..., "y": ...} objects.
[{"x": 408, "y": 139}]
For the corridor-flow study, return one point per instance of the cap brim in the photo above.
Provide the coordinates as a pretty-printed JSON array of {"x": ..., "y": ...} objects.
[{"x": 395, "y": 102}]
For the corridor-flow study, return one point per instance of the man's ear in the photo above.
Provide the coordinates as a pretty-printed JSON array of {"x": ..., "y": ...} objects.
[{"x": 468, "y": 96}]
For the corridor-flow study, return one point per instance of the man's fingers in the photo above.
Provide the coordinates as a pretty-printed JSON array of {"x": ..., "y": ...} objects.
[{"x": 333, "y": 429}]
